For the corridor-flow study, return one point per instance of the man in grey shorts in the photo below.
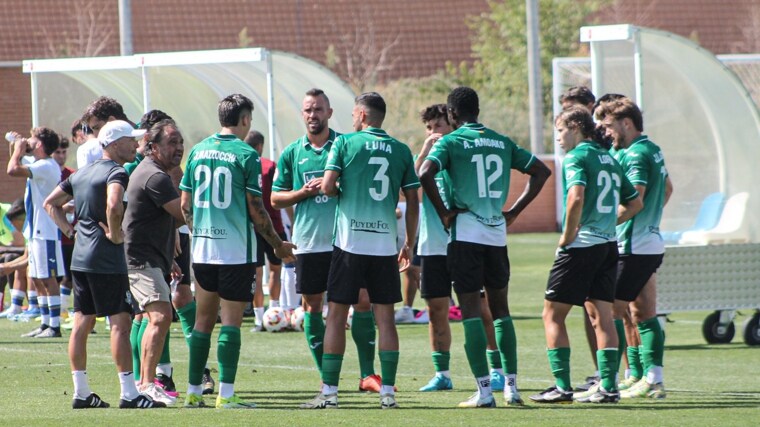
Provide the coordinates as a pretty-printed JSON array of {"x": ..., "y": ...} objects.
[{"x": 152, "y": 215}]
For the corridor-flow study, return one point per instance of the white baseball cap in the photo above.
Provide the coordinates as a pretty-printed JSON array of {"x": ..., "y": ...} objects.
[{"x": 115, "y": 130}]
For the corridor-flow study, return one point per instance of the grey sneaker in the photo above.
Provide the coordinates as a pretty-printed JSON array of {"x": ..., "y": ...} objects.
[{"x": 322, "y": 401}]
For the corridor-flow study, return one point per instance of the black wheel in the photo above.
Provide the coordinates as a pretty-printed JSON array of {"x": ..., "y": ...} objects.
[
  {"x": 752, "y": 330},
  {"x": 714, "y": 333}
]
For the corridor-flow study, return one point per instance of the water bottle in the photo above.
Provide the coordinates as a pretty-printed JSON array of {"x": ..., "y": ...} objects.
[{"x": 9, "y": 137}]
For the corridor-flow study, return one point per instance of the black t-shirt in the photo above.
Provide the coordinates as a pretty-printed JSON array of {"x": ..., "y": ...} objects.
[
  {"x": 93, "y": 252},
  {"x": 149, "y": 228}
]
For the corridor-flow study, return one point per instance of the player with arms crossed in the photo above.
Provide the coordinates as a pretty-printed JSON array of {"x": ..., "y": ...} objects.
[
  {"x": 221, "y": 203},
  {"x": 583, "y": 273},
  {"x": 373, "y": 167},
  {"x": 478, "y": 161}
]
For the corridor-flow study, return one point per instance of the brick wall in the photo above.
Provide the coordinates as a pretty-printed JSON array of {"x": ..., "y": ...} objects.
[
  {"x": 539, "y": 216},
  {"x": 15, "y": 114}
]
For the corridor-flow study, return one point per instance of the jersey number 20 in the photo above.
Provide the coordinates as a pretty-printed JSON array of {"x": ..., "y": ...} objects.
[{"x": 220, "y": 184}]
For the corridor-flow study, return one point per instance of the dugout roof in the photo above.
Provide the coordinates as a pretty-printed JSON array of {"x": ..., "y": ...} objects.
[
  {"x": 188, "y": 86},
  {"x": 695, "y": 108}
]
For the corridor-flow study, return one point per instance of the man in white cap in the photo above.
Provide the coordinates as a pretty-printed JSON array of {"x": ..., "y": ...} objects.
[{"x": 99, "y": 266}]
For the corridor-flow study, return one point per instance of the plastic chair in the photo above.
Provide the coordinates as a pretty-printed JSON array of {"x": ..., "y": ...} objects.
[
  {"x": 732, "y": 228},
  {"x": 707, "y": 217}
]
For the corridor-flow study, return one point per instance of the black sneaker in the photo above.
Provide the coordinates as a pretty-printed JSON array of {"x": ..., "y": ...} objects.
[
  {"x": 92, "y": 401},
  {"x": 50, "y": 332},
  {"x": 604, "y": 396},
  {"x": 35, "y": 332},
  {"x": 590, "y": 382},
  {"x": 553, "y": 395},
  {"x": 140, "y": 402},
  {"x": 207, "y": 382},
  {"x": 166, "y": 382}
]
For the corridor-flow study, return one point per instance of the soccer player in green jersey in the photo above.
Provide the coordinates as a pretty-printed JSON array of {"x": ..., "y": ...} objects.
[
  {"x": 583, "y": 273},
  {"x": 478, "y": 161},
  {"x": 372, "y": 167},
  {"x": 639, "y": 241},
  {"x": 221, "y": 203},
  {"x": 297, "y": 182}
]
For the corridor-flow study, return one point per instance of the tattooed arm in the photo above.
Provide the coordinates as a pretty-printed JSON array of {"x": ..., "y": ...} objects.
[
  {"x": 187, "y": 208},
  {"x": 263, "y": 225}
]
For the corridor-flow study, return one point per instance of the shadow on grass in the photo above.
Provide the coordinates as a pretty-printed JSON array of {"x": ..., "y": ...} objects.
[{"x": 686, "y": 347}]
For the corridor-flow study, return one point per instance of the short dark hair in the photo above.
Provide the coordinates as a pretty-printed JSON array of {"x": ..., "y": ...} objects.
[
  {"x": 232, "y": 107},
  {"x": 314, "y": 92},
  {"x": 578, "y": 95},
  {"x": 157, "y": 132},
  {"x": 621, "y": 109},
  {"x": 103, "y": 108},
  {"x": 77, "y": 126},
  {"x": 17, "y": 209},
  {"x": 254, "y": 138},
  {"x": 373, "y": 102},
  {"x": 64, "y": 144},
  {"x": 152, "y": 117},
  {"x": 48, "y": 137},
  {"x": 434, "y": 112},
  {"x": 464, "y": 101}
]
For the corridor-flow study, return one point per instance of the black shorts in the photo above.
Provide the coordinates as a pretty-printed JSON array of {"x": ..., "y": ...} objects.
[
  {"x": 416, "y": 260},
  {"x": 234, "y": 282},
  {"x": 312, "y": 271},
  {"x": 435, "y": 281},
  {"x": 263, "y": 247},
  {"x": 633, "y": 272},
  {"x": 351, "y": 272},
  {"x": 473, "y": 266},
  {"x": 101, "y": 294},
  {"x": 68, "y": 252},
  {"x": 183, "y": 260},
  {"x": 580, "y": 274}
]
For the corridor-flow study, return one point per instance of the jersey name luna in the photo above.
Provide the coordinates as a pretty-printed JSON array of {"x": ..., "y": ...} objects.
[{"x": 378, "y": 145}]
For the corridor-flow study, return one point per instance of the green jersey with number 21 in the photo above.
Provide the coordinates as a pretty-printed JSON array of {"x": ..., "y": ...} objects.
[
  {"x": 604, "y": 184},
  {"x": 478, "y": 161},
  {"x": 220, "y": 171},
  {"x": 373, "y": 167}
]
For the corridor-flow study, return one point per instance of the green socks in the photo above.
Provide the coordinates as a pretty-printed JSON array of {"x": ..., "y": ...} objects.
[
  {"x": 506, "y": 340},
  {"x": 634, "y": 362},
  {"x": 494, "y": 359},
  {"x": 475, "y": 346},
  {"x": 363, "y": 332},
  {"x": 331, "y": 364},
  {"x": 186, "y": 316},
  {"x": 228, "y": 353},
  {"x": 314, "y": 330},
  {"x": 388, "y": 366},
  {"x": 441, "y": 360},
  {"x": 559, "y": 361},
  {"x": 608, "y": 360},
  {"x": 199, "y": 346},
  {"x": 166, "y": 356},
  {"x": 620, "y": 328},
  {"x": 134, "y": 342},
  {"x": 653, "y": 343}
]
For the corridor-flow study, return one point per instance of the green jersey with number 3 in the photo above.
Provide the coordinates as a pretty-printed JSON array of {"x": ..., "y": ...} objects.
[
  {"x": 314, "y": 219},
  {"x": 373, "y": 168},
  {"x": 604, "y": 184},
  {"x": 644, "y": 165},
  {"x": 478, "y": 161},
  {"x": 220, "y": 171}
]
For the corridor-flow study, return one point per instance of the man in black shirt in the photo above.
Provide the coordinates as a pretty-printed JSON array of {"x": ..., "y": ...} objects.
[{"x": 152, "y": 216}]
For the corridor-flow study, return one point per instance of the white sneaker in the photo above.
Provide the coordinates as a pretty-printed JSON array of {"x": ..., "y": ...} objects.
[
  {"x": 322, "y": 401},
  {"x": 388, "y": 401},
  {"x": 404, "y": 315},
  {"x": 475, "y": 401},
  {"x": 158, "y": 394},
  {"x": 257, "y": 327},
  {"x": 10, "y": 312},
  {"x": 512, "y": 397}
]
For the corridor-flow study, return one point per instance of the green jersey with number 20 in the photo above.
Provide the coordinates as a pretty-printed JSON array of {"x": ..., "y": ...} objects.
[
  {"x": 644, "y": 165},
  {"x": 478, "y": 161},
  {"x": 314, "y": 219},
  {"x": 373, "y": 168},
  {"x": 220, "y": 171},
  {"x": 604, "y": 184}
]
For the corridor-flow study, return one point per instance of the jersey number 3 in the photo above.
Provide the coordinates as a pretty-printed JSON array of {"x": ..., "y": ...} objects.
[{"x": 381, "y": 176}]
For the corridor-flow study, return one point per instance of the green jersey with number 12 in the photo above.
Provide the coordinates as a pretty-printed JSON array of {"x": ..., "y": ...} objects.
[
  {"x": 604, "y": 184},
  {"x": 314, "y": 219},
  {"x": 220, "y": 171},
  {"x": 373, "y": 168},
  {"x": 478, "y": 161}
]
